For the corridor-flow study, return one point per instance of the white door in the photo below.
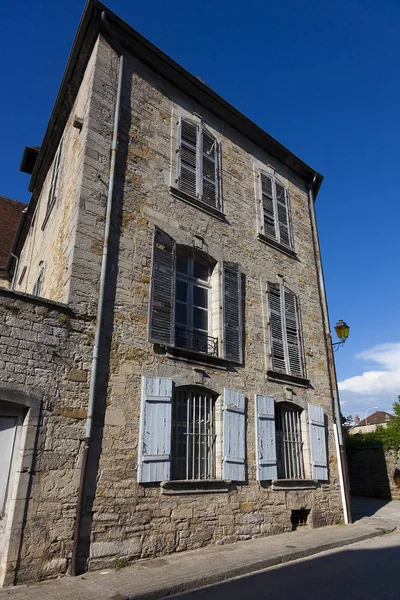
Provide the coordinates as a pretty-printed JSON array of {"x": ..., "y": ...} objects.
[{"x": 8, "y": 428}]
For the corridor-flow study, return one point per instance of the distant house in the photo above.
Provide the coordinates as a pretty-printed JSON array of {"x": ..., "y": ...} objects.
[
  {"x": 10, "y": 217},
  {"x": 380, "y": 417}
]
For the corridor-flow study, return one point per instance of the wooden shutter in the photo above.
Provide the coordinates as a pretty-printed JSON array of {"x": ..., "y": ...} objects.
[
  {"x": 282, "y": 214},
  {"x": 319, "y": 461},
  {"x": 234, "y": 432},
  {"x": 162, "y": 295},
  {"x": 232, "y": 312},
  {"x": 209, "y": 169},
  {"x": 155, "y": 430},
  {"x": 292, "y": 334},
  {"x": 267, "y": 203},
  {"x": 54, "y": 177},
  {"x": 265, "y": 438},
  {"x": 189, "y": 140},
  {"x": 276, "y": 328}
]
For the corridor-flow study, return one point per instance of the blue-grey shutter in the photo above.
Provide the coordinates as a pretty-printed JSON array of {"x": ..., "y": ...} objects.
[
  {"x": 188, "y": 164},
  {"x": 155, "y": 430},
  {"x": 209, "y": 169},
  {"x": 292, "y": 334},
  {"x": 234, "y": 433},
  {"x": 162, "y": 295},
  {"x": 265, "y": 438},
  {"x": 276, "y": 328},
  {"x": 283, "y": 214},
  {"x": 319, "y": 460},
  {"x": 54, "y": 177},
  {"x": 232, "y": 312},
  {"x": 267, "y": 203}
]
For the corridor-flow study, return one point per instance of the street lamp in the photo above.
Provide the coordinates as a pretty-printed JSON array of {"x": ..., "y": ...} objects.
[
  {"x": 365, "y": 416},
  {"x": 342, "y": 331}
]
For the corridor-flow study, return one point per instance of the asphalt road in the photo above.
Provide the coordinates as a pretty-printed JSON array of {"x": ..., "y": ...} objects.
[{"x": 366, "y": 570}]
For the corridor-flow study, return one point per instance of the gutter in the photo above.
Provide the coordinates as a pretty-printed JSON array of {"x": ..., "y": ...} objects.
[
  {"x": 100, "y": 307},
  {"x": 337, "y": 427}
]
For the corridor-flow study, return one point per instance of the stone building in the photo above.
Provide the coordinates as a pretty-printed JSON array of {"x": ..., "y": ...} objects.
[{"x": 164, "y": 350}]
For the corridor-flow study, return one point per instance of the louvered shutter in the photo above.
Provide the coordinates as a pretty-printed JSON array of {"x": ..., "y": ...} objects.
[
  {"x": 292, "y": 333},
  {"x": 188, "y": 152},
  {"x": 283, "y": 214},
  {"x": 234, "y": 430},
  {"x": 268, "y": 224},
  {"x": 265, "y": 438},
  {"x": 155, "y": 430},
  {"x": 162, "y": 296},
  {"x": 319, "y": 461},
  {"x": 209, "y": 171},
  {"x": 276, "y": 328},
  {"x": 232, "y": 312}
]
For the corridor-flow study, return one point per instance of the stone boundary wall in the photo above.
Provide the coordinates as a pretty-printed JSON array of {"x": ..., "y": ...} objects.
[
  {"x": 374, "y": 473},
  {"x": 45, "y": 358}
]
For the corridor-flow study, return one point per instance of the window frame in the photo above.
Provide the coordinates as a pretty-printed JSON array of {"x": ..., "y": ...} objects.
[
  {"x": 275, "y": 240},
  {"x": 54, "y": 182},
  {"x": 194, "y": 396},
  {"x": 287, "y": 373},
  {"x": 289, "y": 462},
  {"x": 197, "y": 199},
  {"x": 38, "y": 285}
]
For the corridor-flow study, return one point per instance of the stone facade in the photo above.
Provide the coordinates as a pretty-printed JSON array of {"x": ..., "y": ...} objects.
[{"x": 121, "y": 517}]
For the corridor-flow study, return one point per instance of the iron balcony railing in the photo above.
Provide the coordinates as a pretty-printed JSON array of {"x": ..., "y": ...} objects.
[{"x": 196, "y": 341}]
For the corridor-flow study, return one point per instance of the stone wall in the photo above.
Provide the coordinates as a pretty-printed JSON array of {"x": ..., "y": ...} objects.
[
  {"x": 374, "y": 473},
  {"x": 45, "y": 353}
]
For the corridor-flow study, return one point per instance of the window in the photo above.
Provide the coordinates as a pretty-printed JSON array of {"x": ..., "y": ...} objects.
[
  {"x": 53, "y": 191},
  {"x": 37, "y": 288},
  {"x": 198, "y": 164},
  {"x": 284, "y": 325},
  {"x": 285, "y": 447},
  {"x": 193, "y": 435},
  {"x": 186, "y": 298},
  {"x": 275, "y": 222},
  {"x": 190, "y": 433},
  {"x": 192, "y": 308},
  {"x": 289, "y": 445}
]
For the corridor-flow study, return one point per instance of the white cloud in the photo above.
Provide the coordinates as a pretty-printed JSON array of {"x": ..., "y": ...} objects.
[{"x": 378, "y": 386}]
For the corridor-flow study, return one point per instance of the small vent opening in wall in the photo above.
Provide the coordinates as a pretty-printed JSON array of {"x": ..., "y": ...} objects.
[{"x": 299, "y": 518}]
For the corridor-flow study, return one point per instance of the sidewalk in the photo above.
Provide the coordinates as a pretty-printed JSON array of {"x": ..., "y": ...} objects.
[{"x": 161, "y": 577}]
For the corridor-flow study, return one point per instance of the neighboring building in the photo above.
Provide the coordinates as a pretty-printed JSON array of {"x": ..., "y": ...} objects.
[
  {"x": 213, "y": 413},
  {"x": 10, "y": 218},
  {"x": 380, "y": 417}
]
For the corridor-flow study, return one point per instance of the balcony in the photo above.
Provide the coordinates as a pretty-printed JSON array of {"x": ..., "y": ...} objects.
[{"x": 196, "y": 341}]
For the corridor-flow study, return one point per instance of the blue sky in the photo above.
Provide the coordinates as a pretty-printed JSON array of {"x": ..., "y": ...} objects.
[{"x": 321, "y": 77}]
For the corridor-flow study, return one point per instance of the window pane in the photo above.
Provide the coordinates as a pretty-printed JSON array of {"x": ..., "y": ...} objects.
[
  {"x": 181, "y": 316},
  {"x": 200, "y": 296},
  {"x": 200, "y": 270},
  {"x": 182, "y": 264},
  {"x": 200, "y": 319},
  {"x": 181, "y": 291}
]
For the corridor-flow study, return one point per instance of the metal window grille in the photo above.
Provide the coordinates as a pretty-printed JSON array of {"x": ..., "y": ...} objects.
[
  {"x": 289, "y": 443},
  {"x": 193, "y": 436}
]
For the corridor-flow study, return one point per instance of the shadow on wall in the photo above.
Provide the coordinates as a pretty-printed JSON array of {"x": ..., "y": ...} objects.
[{"x": 373, "y": 473}]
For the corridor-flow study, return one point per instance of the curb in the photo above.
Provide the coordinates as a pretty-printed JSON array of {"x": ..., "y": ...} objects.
[{"x": 382, "y": 527}]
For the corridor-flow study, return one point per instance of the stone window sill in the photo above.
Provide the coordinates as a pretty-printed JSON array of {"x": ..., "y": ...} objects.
[
  {"x": 290, "y": 379},
  {"x": 189, "y": 199},
  {"x": 294, "y": 484},
  {"x": 197, "y": 358},
  {"x": 277, "y": 246},
  {"x": 195, "y": 486}
]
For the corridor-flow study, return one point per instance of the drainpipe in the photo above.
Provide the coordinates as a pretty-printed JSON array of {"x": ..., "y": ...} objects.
[
  {"x": 100, "y": 306},
  {"x": 338, "y": 433}
]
